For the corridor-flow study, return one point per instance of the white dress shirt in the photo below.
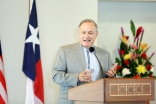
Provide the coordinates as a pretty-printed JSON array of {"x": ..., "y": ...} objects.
[{"x": 94, "y": 64}]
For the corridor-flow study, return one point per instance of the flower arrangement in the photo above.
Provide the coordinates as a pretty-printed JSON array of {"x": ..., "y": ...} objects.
[{"x": 134, "y": 61}]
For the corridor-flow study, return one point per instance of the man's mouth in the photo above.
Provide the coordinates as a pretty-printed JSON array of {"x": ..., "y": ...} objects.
[{"x": 86, "y": 40}]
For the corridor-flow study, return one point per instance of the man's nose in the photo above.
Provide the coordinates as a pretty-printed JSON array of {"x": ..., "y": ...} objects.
[{"x": 86, "y": 35}]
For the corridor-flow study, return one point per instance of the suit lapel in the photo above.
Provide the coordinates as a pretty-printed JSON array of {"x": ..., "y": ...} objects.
[{"x": 80, "y": 56}]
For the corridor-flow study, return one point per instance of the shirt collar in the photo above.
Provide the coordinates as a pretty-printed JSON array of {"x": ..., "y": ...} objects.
[{"x": 85, "y": 49}]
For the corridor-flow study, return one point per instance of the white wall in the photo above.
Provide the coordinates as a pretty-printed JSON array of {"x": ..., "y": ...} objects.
[
  {"x": 58, "y": 21},
  {"x": 114, "y": 15}
]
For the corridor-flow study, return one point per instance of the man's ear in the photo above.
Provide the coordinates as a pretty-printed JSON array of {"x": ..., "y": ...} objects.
[{"x": 96, "y": 33}]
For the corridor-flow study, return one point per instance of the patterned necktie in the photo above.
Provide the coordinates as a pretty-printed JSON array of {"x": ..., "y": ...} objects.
[{"x": 88, "y": 59}]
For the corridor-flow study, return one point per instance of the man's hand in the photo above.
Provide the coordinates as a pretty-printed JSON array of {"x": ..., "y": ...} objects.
[
  {"x": 85, "y": 76},
  {"x": 112, "y": 71}
]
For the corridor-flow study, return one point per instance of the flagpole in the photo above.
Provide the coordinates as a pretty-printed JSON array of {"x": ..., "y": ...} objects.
[{"x": 29, "y": 9}]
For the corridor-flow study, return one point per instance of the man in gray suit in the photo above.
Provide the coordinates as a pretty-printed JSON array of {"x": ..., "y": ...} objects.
[{"x": 69, "y": 68}]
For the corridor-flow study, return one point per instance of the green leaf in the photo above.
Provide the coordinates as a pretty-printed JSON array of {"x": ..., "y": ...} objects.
[
  {"x": 123, "y": 47},
  {"x": 132, "y": 28},
  {"x": 154, "y": 77},
  {"x": 117, "y": 60}
]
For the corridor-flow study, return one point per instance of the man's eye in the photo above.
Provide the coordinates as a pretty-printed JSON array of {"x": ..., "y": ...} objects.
[
  {"x": 84, "y": 32},
  {"x": 91, "y": 33}
]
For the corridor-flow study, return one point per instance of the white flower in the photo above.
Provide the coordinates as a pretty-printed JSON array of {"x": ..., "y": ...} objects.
[
  {"x": 152, "y": 69},
  {"x": 125, "y": 71}
]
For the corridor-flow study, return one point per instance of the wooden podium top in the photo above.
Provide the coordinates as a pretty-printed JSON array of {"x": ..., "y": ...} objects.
[
  {"x": 88, "y": 92},
  {"x": 114, "y": 89}
]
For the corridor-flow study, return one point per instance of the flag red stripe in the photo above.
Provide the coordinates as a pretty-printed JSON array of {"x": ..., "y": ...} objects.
[
  {"x": 1, "y": 100},
  {"x": 1, "y": 58},
  {"x": 2, "y": 80},
  {"x": 38, "y": 84}
]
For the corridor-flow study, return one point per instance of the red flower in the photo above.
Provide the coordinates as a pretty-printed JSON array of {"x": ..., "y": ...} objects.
[
  {"x": 127, "y": 37},
  {"x": 137, "y": 76},
  {"x": 118, "y": 67},
  {"x": 138, "y": 32},
  {"x": 143, "y": 55},
  {"x": 126, "y": 62},
  {"x": 150, "y": 75},
  {"x": 122, "y": 52},
  {"x": 148, "y": 67}
]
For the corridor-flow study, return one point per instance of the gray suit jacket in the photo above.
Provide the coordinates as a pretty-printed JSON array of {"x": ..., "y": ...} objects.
[{"x": 69, "y": 62}]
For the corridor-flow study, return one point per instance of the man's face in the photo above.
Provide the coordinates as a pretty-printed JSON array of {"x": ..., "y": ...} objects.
[{"x": 87, "y": 34}]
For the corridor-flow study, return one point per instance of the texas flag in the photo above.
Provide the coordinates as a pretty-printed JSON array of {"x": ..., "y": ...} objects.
[
  {"x": 32, "y": 67},
  {"x": 3, "y": 89}
]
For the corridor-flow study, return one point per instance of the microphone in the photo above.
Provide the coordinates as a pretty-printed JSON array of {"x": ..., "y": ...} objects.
[{"x": 91, "y": 49}]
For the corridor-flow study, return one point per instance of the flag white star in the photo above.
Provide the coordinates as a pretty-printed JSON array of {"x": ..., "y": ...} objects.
[{"x": 33, "y": 37}]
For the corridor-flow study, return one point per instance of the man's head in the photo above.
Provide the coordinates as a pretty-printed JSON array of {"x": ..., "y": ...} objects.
[{"x": 87, "y": 33}]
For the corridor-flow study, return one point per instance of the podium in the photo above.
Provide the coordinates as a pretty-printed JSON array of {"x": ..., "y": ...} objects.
[{"x": 114, "y": 91}]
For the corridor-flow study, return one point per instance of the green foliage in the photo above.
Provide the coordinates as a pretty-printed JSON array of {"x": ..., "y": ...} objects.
[{"x": 132, "y": 28}]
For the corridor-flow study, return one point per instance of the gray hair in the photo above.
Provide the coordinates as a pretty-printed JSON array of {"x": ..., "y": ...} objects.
[{"x": 88, "y": 20}]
